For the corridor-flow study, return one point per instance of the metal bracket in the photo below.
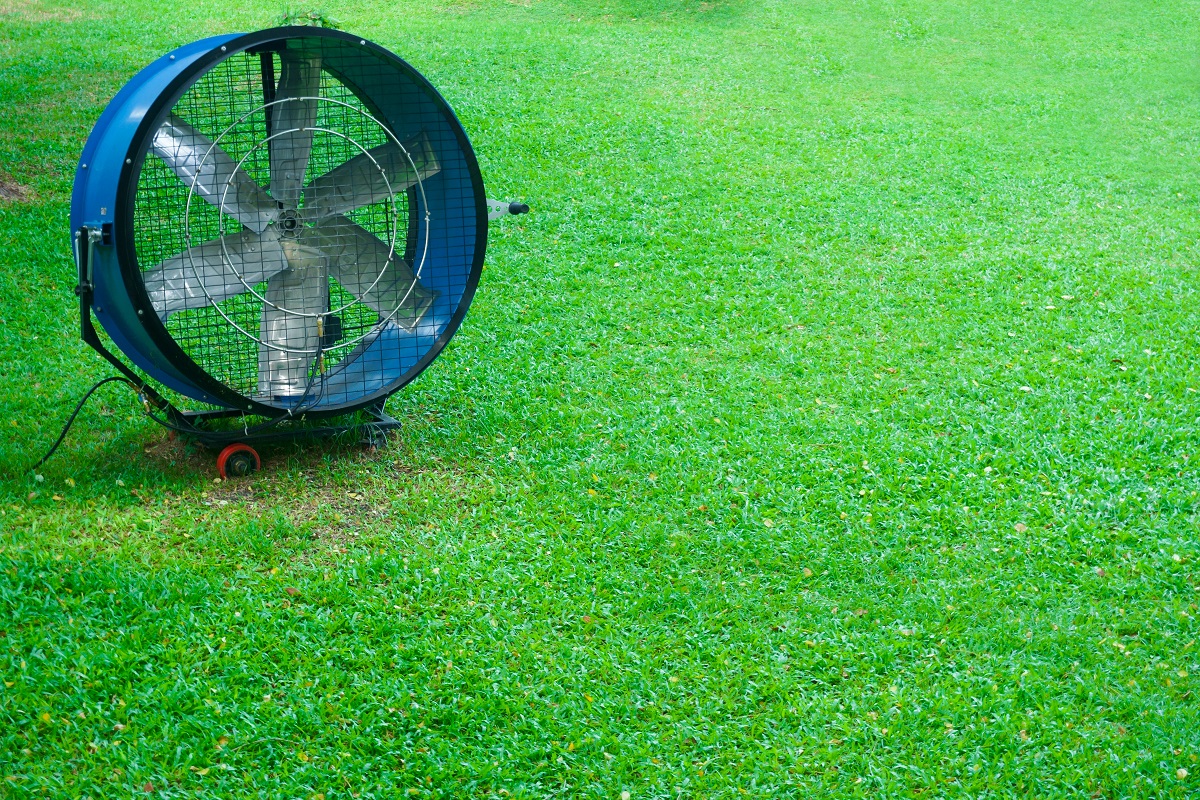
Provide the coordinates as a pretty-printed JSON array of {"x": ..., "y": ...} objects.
[
  {"x": 85, "y": 250},
  {"x": 502, "y": 208},
  {"x": 86, "y": 240}
]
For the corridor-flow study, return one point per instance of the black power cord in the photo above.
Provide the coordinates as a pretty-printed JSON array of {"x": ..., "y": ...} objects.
[
  {"x": 75, "y": 413},
  {"x": 299, "y": 409}
]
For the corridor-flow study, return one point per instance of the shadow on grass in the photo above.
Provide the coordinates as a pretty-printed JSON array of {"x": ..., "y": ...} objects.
[{"x": 303, "y": 506}]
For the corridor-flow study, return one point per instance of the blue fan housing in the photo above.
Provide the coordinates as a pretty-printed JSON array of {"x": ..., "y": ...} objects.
[{"x": 451, "y": 242}]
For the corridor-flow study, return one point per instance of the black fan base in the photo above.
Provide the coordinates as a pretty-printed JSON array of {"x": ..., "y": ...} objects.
[{"x": 199, "y": 426}]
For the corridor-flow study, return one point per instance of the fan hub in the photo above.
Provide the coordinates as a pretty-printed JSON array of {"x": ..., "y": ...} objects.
[{"x": 290, "y": 223}]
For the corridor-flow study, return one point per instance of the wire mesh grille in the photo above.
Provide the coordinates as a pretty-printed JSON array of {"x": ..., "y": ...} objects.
[{"x": 274, "y": 227}]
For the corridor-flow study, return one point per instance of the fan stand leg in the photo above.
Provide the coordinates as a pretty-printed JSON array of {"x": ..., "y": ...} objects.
[{"x": 375, "y": 431}]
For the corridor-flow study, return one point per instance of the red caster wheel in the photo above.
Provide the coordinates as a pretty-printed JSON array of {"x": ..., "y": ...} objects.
[{"x": 238, "y": 460}]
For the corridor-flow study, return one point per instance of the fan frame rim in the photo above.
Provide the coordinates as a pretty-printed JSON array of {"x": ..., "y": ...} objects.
[{"x": 126, "y": 191}]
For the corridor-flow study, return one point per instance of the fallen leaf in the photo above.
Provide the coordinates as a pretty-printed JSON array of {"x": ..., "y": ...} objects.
[
  {"x": 1181, "y": 773},
  {"x": 147, "y": 787},
  {"x": 860, "y": 612},
  {"x": 1026, "y": 389},
  {"x": 1020, "y": 527},
  {"x": 808, "y": 573},
  {"x": 292, "y": 590},
  {"x": 1100, "y": 571},
  {"x": 770, "y": 523}
]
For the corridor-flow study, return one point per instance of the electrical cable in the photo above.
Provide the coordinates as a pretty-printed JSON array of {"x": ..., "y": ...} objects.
[
  {"x": 75, "y": 413},
  {"x": 254, "y": 429}
]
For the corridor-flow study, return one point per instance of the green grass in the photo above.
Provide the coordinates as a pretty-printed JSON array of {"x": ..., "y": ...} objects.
[{"x": 829, "y": 428}]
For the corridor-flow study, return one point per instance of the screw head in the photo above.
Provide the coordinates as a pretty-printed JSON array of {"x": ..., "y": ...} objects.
[{"x": 222, "y": 48}]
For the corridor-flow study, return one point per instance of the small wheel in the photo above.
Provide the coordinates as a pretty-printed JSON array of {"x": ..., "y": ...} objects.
[{"x": 238, "y": 460}]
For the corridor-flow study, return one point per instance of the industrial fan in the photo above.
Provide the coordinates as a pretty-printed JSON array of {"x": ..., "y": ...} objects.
[{"x": 284, "y": 225}]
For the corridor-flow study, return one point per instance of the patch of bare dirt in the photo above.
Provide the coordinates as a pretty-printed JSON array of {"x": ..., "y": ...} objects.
[
  {"x": 13, "y": 192},
  {"x": 334, "y": 509}
]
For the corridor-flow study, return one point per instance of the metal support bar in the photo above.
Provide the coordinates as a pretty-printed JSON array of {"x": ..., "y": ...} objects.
[{"x": 194, "y": 424}]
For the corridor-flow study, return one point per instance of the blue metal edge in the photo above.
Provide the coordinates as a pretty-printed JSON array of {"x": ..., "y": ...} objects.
[{"x": 94, "y": 201}]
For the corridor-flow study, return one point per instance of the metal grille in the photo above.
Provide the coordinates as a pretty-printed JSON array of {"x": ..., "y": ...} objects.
[{"x": 272, "y": 283}]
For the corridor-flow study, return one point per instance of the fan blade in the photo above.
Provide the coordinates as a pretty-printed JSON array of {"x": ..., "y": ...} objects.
[
  {"x": 289, "y": 336},
  {"x": 370, "y": 177},
  {"x": 212, "y": 174},
  {"x": 213, "y": 271},
  {"x": 360, "y": 262},
  {"x": 293, "y": 116}
]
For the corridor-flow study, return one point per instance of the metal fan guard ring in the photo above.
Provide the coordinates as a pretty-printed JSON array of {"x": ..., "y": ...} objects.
[{"x": 250, "y": 289}]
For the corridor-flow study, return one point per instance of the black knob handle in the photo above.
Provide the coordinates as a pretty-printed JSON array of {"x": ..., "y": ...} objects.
[{"x": 518, "y": 208}]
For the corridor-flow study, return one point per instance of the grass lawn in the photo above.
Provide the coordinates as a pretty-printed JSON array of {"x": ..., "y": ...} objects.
[{"x": 830, "y": 428}]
